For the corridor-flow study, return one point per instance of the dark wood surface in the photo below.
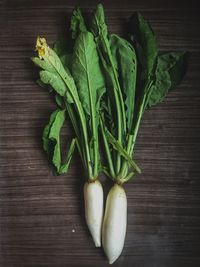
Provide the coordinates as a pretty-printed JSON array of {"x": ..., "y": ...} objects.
[{"x": 41, "y": 216}]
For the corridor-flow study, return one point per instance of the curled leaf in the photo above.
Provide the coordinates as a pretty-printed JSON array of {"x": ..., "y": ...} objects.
[
  {"x": 170, "y": 71},
  {"x": 51, "y": 142}
]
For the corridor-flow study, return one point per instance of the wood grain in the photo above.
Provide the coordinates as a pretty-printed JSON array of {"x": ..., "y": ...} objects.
[{"x": 41, "y": 216}]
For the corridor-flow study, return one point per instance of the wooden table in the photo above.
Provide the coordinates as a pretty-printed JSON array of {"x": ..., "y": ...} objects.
[{"x": 41, "y": 215}]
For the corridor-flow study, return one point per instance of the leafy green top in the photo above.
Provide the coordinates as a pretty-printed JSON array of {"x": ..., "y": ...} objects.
[{"x": 101, "y": 79}]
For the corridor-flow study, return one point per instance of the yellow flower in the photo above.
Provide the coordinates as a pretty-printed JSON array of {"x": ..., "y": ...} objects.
[{"x": 41, "y": 47}]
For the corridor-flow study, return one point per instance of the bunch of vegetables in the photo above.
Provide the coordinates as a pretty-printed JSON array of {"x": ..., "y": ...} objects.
[{"x": 103, "y": 84}]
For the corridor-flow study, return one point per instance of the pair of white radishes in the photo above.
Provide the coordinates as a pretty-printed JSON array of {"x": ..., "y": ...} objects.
[{"x": 111, "y": 226}]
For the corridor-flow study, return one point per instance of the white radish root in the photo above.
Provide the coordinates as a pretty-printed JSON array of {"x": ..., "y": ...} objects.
[
  {"x": 93, "y": 197},
  {"x": 114, "y": 223}
]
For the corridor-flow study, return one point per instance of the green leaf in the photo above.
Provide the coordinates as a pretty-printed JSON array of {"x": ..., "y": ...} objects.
[
  {"x": 63, "y": 49},
  {"x": 126, "y": 65},
  {"x": 51, "y": 141},
  {"x": 145, "y": 38},
  {"x": 118, "y": 146},
  {"x": 54, "y": 80},
  {"x": 98, "y": 25},
  {"x": 71, "y": 96},
  {"x": 99, "y": 30},
  {"x": 65, "y": 166},
  {"x": 147, "y": 53},
  {"x": 170, "y": 71},
  {"x": 179, "y": 66},
  {"x": 77, "y": 23},
  {"x": 114, "y": 92},
  {"x": 43, "y": 64},
  {"x": 86, "y": 72},
  {"x": 56, "y": 75},
  {"x": 47, "y": 130},
  {"x": 89, "y": 81},
  {"x": 145, "y": 43},
  {"x": 159, "y": 89}
]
